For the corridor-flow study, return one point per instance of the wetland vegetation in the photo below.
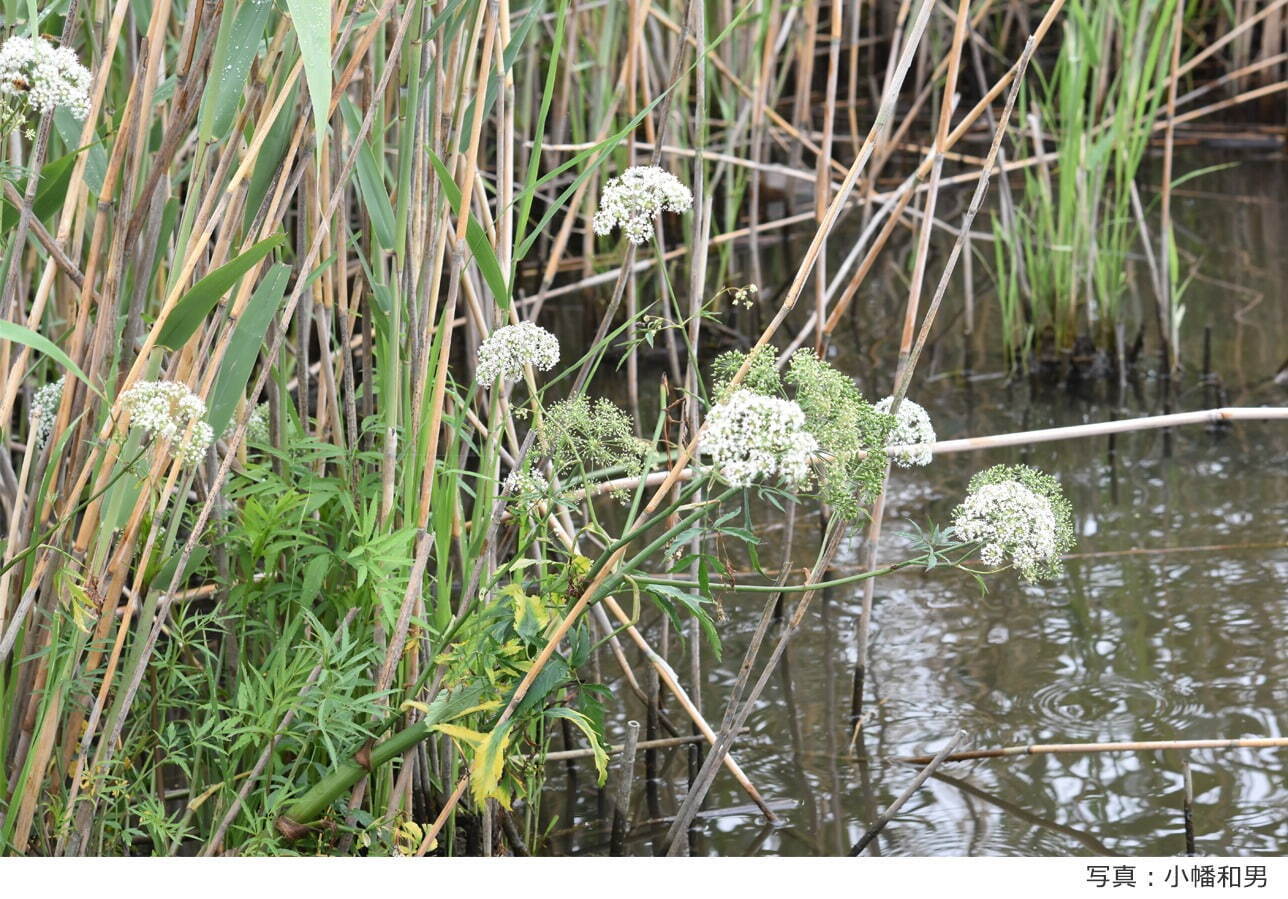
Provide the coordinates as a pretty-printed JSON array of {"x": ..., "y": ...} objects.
[{"x": 477, "y": 427}]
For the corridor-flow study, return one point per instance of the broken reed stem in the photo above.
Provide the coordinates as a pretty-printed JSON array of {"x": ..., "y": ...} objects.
[
  {"x": 1187, "y": 808},
  {"x": 1127, "y": 746},
  {"x": 1100, "y": 429},
  {"x": 931, "y": 764},
  {"x": 622, "y": 797}
]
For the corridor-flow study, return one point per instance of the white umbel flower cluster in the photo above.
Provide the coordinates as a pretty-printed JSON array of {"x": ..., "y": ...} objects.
[
  {"x": 508, "y": 349},
  {"x": 169, "y": 411},
  {"x": 44, "y": 76},
  {"x": 526, "y": 484},
  {"x": 1011, "y": 523},
  {"x": 912, "y": 435},
  {"x": 44, "y": 407},
  {"x": 634, "y": 198},
  {"x": 256, "y": 426},
  {"x": 752, "y": 436}
]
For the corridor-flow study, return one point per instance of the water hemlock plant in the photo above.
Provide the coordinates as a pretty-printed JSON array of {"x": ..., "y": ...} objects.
[
  {"x": 1019, "y": 517},
  {"x": 823, "y": 418},
  {"x": 507, "y": 350}
]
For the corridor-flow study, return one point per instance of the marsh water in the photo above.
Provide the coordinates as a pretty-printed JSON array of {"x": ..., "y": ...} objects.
[{"x": 1171, "y": 621}]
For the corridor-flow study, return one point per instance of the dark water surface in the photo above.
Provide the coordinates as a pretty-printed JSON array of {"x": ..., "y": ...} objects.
[{"x": 1172, "y": 621}]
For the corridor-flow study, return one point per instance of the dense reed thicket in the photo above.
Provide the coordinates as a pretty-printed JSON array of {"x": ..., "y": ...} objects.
[{"x": 313, "y": 539}]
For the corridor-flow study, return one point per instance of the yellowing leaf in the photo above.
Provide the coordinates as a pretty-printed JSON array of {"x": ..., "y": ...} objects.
[
  {"x": 464, "y": 734},
  {"x": 481, "y": 707},
  {"x": 195, "y": 804},
  {"x": 489, "y": 765},
  {"x": 530, "y": 616},
  {"x": 407, "y": 838},
  {"x": 511, "y": 648},
  {"x": 412, "y": 647},
  {"x": 513, "y": 591},
  {"x": 586, "y": 727},
  {"x": 82, "y": 607},
  {"x": 83, "y": 621}
]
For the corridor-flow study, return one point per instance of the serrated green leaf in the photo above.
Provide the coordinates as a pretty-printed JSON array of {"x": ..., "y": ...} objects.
[{"x": 664, "y": 593}]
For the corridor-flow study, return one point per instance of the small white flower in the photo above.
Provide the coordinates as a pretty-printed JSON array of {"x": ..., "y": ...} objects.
[
  {"x": 911, "y": 436},
  {"x": 44, "y": 76},
  {"x": 169, "y": 411},
  {"x": 752, "y": 436},
  {"x": 632, "y": 200},
  {"x": 745, "y": 296},
  {"x": 44, "y": 408},
  {"x": 1010, "y": 522},
  {"x": 508, "y": 349}
]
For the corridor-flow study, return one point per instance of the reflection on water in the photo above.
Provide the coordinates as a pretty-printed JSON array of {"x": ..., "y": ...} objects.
[{"x": 1171, "y": 623}]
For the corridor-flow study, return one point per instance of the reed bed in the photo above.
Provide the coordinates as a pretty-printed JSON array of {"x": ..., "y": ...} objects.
[{"x": 315, "y": 541}]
